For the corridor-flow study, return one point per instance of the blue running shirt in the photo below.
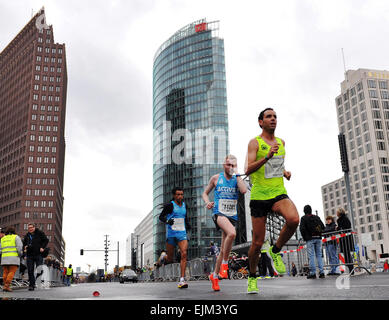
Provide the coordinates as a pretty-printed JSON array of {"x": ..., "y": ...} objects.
[
  {"x": 178, "y": 214},
  {"x": 226, "y": 197}
]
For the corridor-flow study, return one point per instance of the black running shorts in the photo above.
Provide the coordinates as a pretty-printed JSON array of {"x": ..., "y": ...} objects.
[
  {"x": 214, "y": 218},
  {"x": 260, "y": 208}
]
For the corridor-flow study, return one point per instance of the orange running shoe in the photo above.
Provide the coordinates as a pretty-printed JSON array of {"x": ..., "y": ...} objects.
[
  {"x": 215, "y": 282},
  {"x": 223, "y": 273}
]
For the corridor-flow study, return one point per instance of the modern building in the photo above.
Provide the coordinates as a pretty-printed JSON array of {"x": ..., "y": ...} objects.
[
  {"x": 142, "y": 243},
  {"x": 33, "y": 85},
  {"x": 363, "y": 117},
  {"x": 190, "y": 125}
]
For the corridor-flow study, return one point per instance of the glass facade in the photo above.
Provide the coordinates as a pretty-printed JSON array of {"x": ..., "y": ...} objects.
[{"x": 190, "y": 125}]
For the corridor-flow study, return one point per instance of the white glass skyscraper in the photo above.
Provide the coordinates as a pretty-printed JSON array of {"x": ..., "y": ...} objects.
[{"x": 190, "y": 125}]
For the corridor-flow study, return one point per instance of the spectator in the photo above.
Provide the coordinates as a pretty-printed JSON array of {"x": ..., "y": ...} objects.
[
  {"x": 294, "y": 270},
  {"x": 264, "y": 264},
  {"x": 346, "y": 244},
  {"x": 331, "y": 245},
  {"x": 213, "y": 249},
  {"x": 386, "y": 266},
  {"x": 69, "y": 275},
  {"x": 1, "y": 235},
  {"x": 34, "y": 242},
  {"x": 11, "y": 249},
  {"x": 311, "y": 228}
]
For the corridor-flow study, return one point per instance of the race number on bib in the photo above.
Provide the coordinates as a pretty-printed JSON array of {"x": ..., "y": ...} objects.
[
  {"x": 179, "y": 224},
  {"x": 227, "y": 207},
  {"x": 274, "y": 167}
]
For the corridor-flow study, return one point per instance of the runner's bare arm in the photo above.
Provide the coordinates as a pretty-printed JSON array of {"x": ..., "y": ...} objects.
[
  {"x": 241, "y": 185},
  {"x": 287, "y": 174},
  {"x": 208, "y": 189},
  {"x": 251, "y": 164}
]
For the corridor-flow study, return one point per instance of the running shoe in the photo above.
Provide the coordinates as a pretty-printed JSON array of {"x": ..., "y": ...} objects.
[
  {"x": 252, "y": 285},
  {"x": 277, "y": 262},
  {"x": 215, "y": 282},
  {"x": 223, "y": 273},
  {"x": 182, "y": 285},
  {"x": 259, "y": 278}
]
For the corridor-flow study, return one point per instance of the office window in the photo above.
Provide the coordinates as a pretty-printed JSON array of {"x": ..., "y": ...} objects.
[
  {"x": 371, "y": 83},
  {"x": 373, "y": 94},
  {"x": 383, "y": 84}
]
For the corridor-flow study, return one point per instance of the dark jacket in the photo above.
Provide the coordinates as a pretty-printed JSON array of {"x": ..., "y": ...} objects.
[
  {"x": 306, "y": 223},
  {"x": 168, "y": 209},
  {"x": 343, "y": 223},
  {"x": 330, "y": 229},
  {"x": 34, "y": 242},
  {"x": 346, "y": 244}
]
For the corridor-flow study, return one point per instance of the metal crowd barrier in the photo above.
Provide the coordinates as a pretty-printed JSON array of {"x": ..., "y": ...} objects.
[
  {"x": 339, "y": 250},
  {"x": 49, "y": 277},
  {"x": 340, "y": 254}
]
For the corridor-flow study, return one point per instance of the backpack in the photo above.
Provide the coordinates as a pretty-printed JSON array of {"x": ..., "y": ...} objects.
[{"x": 314, "y": 226}]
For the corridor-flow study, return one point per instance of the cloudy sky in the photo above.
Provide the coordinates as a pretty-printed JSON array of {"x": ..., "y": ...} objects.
[{"x": 285, "y": 54}]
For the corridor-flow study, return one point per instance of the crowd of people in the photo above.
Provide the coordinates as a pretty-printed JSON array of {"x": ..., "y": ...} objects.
[
  {"x": 312, "y": 230},
  {"x": 27, "y": 254}
]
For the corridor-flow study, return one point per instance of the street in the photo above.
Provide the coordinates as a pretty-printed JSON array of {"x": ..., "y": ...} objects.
[{"x": 362, "y": 287}]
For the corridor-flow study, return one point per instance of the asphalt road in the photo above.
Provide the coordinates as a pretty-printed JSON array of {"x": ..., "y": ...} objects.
[{"x": 362, "y": 287}]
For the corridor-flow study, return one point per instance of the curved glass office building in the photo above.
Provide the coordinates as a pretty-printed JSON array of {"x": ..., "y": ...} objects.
[{"x": 190, "y": 125}]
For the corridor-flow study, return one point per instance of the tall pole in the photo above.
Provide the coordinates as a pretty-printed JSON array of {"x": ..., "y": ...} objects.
[
  {"x": 106, "y": 252},
  {"x": 117, "y": 269},
  {"x": 345, "y": 169}
]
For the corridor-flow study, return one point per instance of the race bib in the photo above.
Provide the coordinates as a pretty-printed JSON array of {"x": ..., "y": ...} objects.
[
  {"x": 227, "y": 207},
  {"x": 274, "y": 167},
  {"x": 179, "y": 224}
]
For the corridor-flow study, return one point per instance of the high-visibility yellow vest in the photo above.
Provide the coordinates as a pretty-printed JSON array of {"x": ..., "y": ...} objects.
[
  {"x": 69, "y": 271},
  {"x": 8, "y": 246},
  {"x": 268, "y": 180}
]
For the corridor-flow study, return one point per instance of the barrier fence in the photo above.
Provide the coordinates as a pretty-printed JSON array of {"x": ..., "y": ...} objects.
[
  {"x": 340, "y": 254},
  {"x": 45, "y": 277},
  {"x": 339, "y": 251}
]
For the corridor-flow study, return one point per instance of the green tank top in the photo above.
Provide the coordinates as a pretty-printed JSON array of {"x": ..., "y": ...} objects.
[{"x": 268, "y": 180}]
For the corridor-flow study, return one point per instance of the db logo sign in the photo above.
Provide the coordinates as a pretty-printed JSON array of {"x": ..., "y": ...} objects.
[
  {"x": 40, "y": 22},
  {"x": 200, "y": 27}
]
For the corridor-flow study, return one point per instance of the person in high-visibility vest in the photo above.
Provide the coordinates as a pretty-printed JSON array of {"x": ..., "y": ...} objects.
[
  {"x": 11, "y": 249},
  {"x": 69, "y": 274},
  {"x": 264, "y": 265}
]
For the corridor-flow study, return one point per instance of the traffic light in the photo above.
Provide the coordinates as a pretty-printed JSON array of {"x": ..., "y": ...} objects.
[
  {"x": 82, "y": 252},
  {"x": 343, "y": 152}
]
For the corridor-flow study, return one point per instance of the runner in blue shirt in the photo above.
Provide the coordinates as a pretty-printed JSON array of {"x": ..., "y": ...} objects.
[
  {"x": 227, "y": 185},
  {"x": 174, "y": 216}
]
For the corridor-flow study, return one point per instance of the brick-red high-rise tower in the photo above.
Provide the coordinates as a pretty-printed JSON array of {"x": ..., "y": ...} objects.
[{"x": 33, "y": 85}]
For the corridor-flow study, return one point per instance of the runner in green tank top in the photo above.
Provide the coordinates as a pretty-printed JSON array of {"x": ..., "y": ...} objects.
[{"x": 265, "y": 165}]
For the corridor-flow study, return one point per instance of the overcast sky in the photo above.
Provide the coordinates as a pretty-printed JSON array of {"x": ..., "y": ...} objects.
[{"x": 284, "y": 54}]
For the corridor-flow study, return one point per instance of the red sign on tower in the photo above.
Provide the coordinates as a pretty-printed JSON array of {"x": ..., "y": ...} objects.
[{"x": 201, "y": 27}]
